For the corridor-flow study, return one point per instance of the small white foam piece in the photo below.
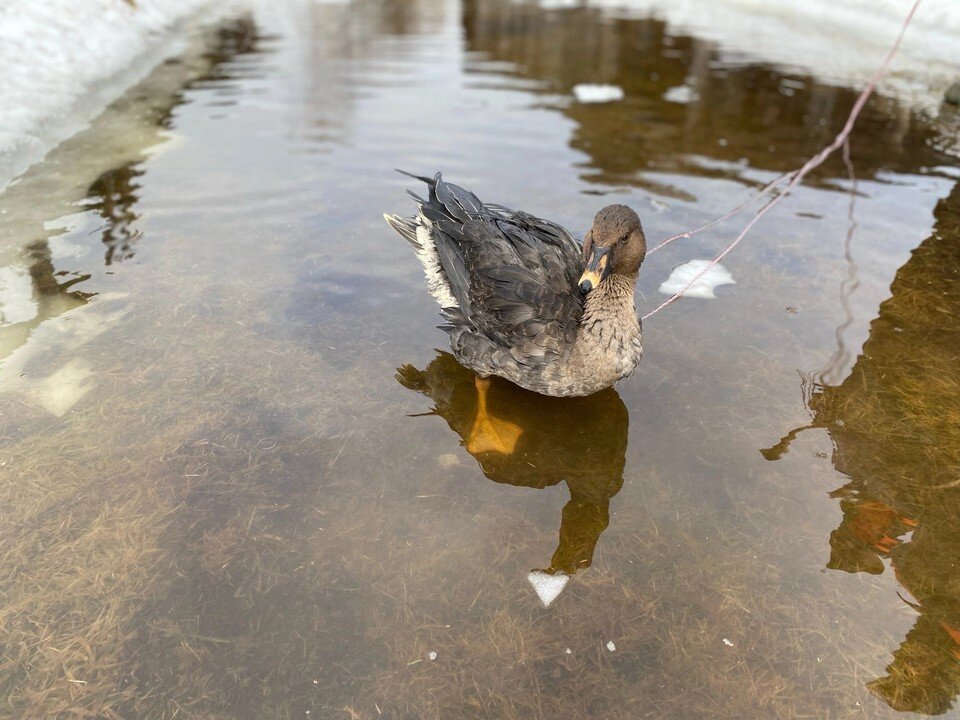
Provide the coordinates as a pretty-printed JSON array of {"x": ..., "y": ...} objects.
[
  {"x": 610, "y": 646},
  {"x": 548, "y": 587},
  {"x": 432, "y": 655},
  {"x": 727, "y": 643},
  {"x": 591, "y": 93},
  {"x": 682, "y": 94},
  {"x": 704, "y": 286}
]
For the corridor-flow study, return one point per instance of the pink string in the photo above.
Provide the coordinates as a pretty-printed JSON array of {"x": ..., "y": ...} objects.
[{"x": 795, "y": 177}]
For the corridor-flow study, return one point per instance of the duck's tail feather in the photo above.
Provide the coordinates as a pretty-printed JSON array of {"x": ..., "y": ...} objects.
[
  {"x": 419, "y": 232},
  {"x": 407, "y": 228}
]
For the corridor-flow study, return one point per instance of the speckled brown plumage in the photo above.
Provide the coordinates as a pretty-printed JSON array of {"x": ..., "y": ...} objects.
[{"x": 508, "y": 286}]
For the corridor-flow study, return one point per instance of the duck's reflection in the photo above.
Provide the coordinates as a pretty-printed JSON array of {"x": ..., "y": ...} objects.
[
  {"x": 895, "y": 425},
  {"x": 529, "y": 440}
]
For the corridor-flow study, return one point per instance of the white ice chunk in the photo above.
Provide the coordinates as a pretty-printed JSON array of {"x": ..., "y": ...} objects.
[
  {"x": 590, "y": 93},
  {"x": 704, "y": 286},
  {"x": 682, "y": 94},
  {"x": 548, "y": 587}
]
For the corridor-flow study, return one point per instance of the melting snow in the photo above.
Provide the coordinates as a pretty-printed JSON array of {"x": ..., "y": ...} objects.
[
  {"x": 547, "y": 586},
  {"x": 63, "y": 61},
  {"x": 588, "y": 93},
  {"x": 703, "y": 288}
]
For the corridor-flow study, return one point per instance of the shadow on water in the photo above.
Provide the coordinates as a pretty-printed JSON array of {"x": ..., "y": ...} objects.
[
  {"x": 579, "y": 441},
  {"x": 895, "y": 425}
]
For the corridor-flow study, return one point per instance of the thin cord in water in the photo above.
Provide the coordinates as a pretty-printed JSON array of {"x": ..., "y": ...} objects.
[{"x": 795, "y": 177}]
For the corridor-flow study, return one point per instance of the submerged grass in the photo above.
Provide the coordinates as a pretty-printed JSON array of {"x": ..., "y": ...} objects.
[
  {"x": 229, "y": 526},
  {"x": 185, "y": 544}
]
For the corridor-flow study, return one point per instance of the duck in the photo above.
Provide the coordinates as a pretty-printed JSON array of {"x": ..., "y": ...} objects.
[{"x": 521, "y": 299}]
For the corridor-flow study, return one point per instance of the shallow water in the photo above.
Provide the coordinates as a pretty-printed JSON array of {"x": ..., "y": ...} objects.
[{"x": 237, "y": 476}]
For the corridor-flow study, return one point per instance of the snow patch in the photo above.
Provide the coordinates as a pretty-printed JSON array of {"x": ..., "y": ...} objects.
[
  {"x": 836, "y": 42},
  {"x": 63, "y": 61},
  {"x": 704, "y": 286}
]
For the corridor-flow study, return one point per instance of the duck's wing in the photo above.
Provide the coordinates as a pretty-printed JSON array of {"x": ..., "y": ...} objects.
[{"x": 514, "y": 275}]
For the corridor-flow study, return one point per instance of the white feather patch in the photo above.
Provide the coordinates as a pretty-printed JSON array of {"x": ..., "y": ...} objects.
[{"x": 432, "y": 270}]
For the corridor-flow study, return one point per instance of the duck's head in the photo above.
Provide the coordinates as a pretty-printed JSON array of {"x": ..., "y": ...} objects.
[{"x": 615, "y": 245}]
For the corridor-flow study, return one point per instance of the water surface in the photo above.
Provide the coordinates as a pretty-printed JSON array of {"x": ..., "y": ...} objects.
[{"x": 237, "y": 477}]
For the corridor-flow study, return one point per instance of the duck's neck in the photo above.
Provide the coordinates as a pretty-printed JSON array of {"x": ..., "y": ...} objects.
[
  {"x": 608, "y": 344},
  {"x": 611, "y": 304}
]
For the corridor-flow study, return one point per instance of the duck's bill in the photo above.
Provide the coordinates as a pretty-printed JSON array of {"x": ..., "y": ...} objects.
[{"x": 598, "y": 267}]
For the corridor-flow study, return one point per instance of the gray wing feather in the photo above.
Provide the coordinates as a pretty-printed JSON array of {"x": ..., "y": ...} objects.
[{"x": 514, "y": 276}]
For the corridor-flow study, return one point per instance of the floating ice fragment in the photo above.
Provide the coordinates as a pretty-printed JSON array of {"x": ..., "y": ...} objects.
[
  {"x": 548, "y": 587},
  {"x": 682, "y": 94},
  {"x": 432, "y": 655},
  {"x": 727, "y": 643},
  {"x": 610, "y": 646},
  {"x": 590, "y": 93},
  {"x": 704, "y": 286}
]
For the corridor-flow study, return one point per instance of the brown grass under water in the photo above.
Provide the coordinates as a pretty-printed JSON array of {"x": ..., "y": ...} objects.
[{"x": 188, "y": 544}]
